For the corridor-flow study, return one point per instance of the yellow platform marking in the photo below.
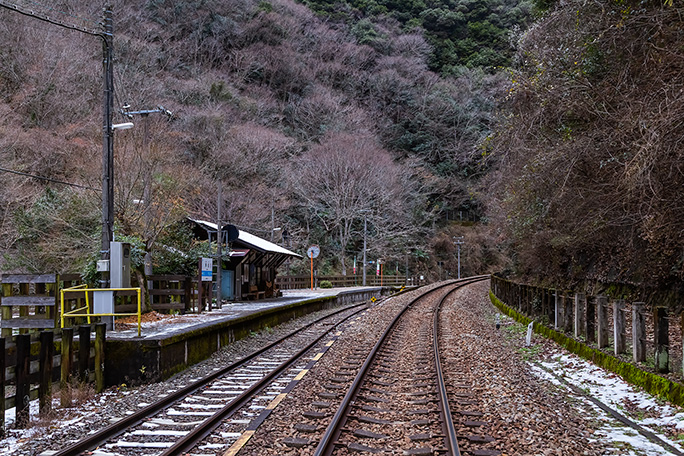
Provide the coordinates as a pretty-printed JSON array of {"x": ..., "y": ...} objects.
[
  {"x": 274, "y": 403},
  {"x": 237, "y": 446},
  {"x": 301, "y": 374}
]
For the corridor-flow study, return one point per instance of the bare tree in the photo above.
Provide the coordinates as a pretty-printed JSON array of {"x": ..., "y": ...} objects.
[{"x": 345, "y": 176}]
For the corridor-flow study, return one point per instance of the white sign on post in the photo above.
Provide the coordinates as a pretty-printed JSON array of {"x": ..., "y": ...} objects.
[{"x": 207, "y": 269}]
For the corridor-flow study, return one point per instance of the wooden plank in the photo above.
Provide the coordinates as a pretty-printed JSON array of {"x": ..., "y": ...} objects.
[
  {"x": 67, "y": 358},
  {"x": 70, "y": 277},
  {"x": 28, "y": 323},
  {"x": 620, "y": 344},
  {"x": 83, "y": 353},
  {"x": 28, "y": 278},
  {"x": 638, "y": 332},
  {"x": 168, "y": 292},
  {"x": 45, "y": 389},
  {"x": 2, "y": 386},
  {"x": 31, "y": 300},
  {"x": 100, "y": 337},
  {"x": 179, "y": 278},
  {"x": 23, "y": 386}
]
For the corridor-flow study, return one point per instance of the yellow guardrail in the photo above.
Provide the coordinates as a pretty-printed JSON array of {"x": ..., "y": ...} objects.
[{"x": 84, "y": 288}]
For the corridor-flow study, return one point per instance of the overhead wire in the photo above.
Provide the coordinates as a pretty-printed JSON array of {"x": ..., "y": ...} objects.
[{"x": 48, "y": 179}]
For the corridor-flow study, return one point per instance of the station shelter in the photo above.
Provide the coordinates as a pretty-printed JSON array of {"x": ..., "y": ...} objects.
[{"x": 250, "y": 263}]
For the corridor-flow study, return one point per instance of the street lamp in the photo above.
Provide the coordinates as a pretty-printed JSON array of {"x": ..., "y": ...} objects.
[{"x": 365, "y": 212}]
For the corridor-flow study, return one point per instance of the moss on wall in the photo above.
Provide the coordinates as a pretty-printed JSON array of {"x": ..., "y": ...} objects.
[{"x": 652, "y": 383}]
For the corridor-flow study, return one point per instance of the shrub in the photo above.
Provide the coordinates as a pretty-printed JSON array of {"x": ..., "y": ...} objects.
[{"x": 326, "y": 284}]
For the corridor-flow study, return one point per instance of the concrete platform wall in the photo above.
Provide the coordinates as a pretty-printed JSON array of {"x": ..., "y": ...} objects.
[{"x": 135, "y": 361}]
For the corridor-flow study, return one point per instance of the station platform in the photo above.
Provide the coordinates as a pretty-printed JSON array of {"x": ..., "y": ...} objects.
[{"x": 169, "y": 344}]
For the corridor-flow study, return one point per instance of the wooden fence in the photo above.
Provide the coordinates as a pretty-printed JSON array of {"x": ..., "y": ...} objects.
[
  {"x": 32, "y": 364},
  {"x": 648, "y": 333}
]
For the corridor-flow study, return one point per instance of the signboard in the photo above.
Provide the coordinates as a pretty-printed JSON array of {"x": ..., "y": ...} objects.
[
  {"x": 207, "y": 268},
  {"x": 313, "y": 251}
]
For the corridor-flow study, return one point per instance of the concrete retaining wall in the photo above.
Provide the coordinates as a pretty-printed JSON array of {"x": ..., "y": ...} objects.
[{"x": 138, "y": 360}]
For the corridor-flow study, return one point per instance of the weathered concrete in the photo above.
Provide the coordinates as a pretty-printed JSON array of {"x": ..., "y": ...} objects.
[{"x": 146, "y": 359}]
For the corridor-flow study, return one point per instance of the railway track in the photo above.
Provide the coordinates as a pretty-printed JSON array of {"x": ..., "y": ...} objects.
[
  {"x": 386, "y": 395},
  {"x": 177, "y": 422},
  {"x": 398, "y": 402}
]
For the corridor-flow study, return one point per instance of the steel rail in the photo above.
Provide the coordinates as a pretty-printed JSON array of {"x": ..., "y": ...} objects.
[
  {"x": 326, "y": 445},
  {"x": 443, "y": 398},
  {"x": 121, "y": 426}
]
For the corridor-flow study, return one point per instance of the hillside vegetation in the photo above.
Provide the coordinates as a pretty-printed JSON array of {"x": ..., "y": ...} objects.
[
  {"x": 591, "y": 151},
  {"x": 265, "y": 96},
  {"x": 554, "y": 146}
]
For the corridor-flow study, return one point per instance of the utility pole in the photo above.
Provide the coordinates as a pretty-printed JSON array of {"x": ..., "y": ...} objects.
[
  {"x": 458, "y": 241},
  {"x": 107, "y": 36},
  {"x": 219, "y": 247},
  {"x": 107, "y": 144}
]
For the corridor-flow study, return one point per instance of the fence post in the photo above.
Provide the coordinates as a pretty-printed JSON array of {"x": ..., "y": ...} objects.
[
  {"x": 67, "y": 361},
  {"x": 22, "y": 375},
  {"x": 47, "y": 351},
  {"x": 619, "y": 326},
  {"x": 580, "y": 301},
  {"x": 602, "y": 308},
  {"x": 567, "y": 312},
  {"x": 556, "y": 309},
  {"x": 591, "y": 319},
  {"x": 100, "y": 337},
  {"x": 3, "y": 365},
  {"x": 187, "y": 284},
  {"x": 638, "y": 332},
  {"x": 662, "y": 339},
  {"x": 83, "y": 352}
]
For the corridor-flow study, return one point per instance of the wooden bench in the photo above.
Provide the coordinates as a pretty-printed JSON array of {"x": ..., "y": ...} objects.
[{"x": 254, "y": 293}]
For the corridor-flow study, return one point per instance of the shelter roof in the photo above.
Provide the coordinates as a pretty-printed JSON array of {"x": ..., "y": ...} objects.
[{"x": 246, "y": 239}]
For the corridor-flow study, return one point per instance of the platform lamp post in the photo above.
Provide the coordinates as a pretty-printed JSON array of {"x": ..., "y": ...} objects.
[
  {"x": 458, "y": 241},
  {"x": 147, "y": 184}
]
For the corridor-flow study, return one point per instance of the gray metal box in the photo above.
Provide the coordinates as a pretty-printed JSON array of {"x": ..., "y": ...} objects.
[{"x": 120, "y": 265}]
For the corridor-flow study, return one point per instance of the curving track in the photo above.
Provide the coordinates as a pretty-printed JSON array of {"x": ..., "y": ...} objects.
[
  {"x": 399, "y": 403},
  {"x": 184, "y": 417}
]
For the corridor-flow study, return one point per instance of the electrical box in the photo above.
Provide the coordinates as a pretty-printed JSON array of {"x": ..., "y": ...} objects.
[
  {"x": 120, "y": 265},
  {"x": 103, "y": 266}
]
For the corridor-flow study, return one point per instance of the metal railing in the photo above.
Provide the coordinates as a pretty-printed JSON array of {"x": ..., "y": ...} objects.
[{"x": 83, "y": 289}]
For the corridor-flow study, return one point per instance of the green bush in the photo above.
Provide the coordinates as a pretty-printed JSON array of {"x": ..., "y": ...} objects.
[{"x": 326, "y": 284}]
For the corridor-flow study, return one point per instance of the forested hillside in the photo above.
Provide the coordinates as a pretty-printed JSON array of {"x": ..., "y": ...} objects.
[
  {"x": 554, "y": 146},
  {"x": 269, "y": 101},
  {"x": 591, "y": 150}
]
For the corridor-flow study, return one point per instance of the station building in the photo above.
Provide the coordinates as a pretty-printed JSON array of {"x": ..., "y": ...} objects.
[{"x": 250, "y": 263}]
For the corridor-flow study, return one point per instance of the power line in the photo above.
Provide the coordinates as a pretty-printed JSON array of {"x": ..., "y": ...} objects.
[
  {"x": 48, "y": 179},
  {"x": 27, "y": 11}
]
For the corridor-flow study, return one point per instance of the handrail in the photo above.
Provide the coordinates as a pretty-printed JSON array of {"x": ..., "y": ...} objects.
[{"x": 88, "y": 314}]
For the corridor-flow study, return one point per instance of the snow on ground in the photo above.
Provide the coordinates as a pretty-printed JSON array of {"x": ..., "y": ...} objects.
[{"x": 642, "y": 408}]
